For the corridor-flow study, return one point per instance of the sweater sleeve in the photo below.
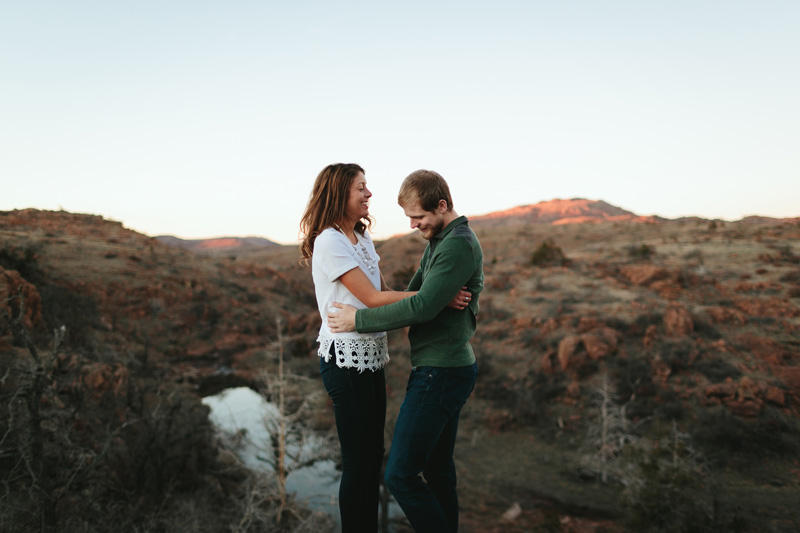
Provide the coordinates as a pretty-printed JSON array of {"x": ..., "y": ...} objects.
[{"x": 451, "y": 267}]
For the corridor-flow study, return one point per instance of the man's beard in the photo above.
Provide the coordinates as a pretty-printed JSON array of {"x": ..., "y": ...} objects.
[{"x": 433, "y": 231}]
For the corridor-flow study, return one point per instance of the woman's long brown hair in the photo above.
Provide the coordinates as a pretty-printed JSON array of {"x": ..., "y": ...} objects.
[{"x": 327, "y": 205}]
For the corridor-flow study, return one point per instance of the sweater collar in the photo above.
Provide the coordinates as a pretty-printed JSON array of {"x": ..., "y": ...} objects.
[{"x": 447, "y": 229}]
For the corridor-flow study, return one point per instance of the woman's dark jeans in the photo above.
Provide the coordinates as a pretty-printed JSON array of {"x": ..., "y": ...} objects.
[
  {"x": 423, "y": 442},
  {"x": 359, "y": 404}
]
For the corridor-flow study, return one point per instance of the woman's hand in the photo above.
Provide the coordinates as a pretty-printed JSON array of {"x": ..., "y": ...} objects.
[
  {"x": 461, "y": 300},
  {"x": 342, "y": 320}
]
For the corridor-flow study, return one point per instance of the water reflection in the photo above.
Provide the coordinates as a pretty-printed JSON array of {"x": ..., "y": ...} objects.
[
  {"x": 315, "y": 486},
  {"x": 239, "y": 408}
]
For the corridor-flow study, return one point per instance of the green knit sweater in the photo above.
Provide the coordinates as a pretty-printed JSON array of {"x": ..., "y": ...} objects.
[{"x": 439, "y": 335}]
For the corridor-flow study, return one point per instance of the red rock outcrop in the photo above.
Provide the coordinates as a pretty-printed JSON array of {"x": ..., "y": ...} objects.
[
  {"x": 644, "y": 275},
  {"x": 600, "y": 342},
  {"x": 767, "y": 307},
  {"x": 567, "y": 349},
  {"x": 790, "y": 376},
  {"x": 100, "y": 378},
  {"x": 766, "y": 350},
  {"x": 12, "y": 284},
  {"x": 745, "y": 398},
  {"x": 650, "y": 336},
  {"x": 677, "y": 320},
  {"x": 726, "y": 315}
]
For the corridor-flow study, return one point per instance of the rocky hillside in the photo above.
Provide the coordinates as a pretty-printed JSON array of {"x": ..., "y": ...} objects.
[
  {"x": 108, "y": 339},
  {"x": 691, "y": 327}
]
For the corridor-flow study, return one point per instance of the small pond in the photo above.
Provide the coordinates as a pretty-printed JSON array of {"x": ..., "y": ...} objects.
[{"x": 316, "y": 486}]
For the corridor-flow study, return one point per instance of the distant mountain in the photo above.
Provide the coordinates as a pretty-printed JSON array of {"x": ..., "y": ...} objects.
[
  {"x": 219, "y": 245},
  {"x": 572, "y": 211},
  {"x": 758, "y": 219}
]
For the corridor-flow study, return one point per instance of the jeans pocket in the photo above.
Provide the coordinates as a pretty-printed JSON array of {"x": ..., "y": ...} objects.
[{"x": 458, "y": 385}]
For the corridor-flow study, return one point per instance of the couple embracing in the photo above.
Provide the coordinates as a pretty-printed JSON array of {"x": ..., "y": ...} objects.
[{"x": 357, "y": 308}]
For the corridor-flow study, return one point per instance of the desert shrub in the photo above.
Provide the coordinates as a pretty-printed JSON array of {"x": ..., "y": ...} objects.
[
  {"x": 24, "y": 260},
  {"x": 641, "y": 322},
  {"x": 548, "y": 254},
  {"x": 668, "y": 406},
  {"x": 550, "y": 522},
  {"x": 643, "y": 252},
  {"x": 717, "y": 370},
  {"x": 89, "y": 446},
  {"x": 631, "y": 378},
  {"x": 672, "y": 497},
  {"x": 677, "y": 355},
  {"x": 785, "y": 253},
  {"x": 616, "y": 323},
  {"x": 724, "y": 435},
  {"x": 668, "y": 489},
  {"x": 704, "y": 328},
  {"x": 62, "y": 306},
  {"x": 792, "y": 276},
  {"x": 695, "y": 255},
  {"x": 608, "y": 433},
  {"x": 527, "y": 399}
]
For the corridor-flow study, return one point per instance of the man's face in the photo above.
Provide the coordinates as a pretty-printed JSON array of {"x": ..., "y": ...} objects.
[{"x": 429, "y": 223}]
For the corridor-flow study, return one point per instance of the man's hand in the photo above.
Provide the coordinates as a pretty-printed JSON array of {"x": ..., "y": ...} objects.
[
  {"x": 343, "y": 320},
  {"x": 461, "y": 300}
]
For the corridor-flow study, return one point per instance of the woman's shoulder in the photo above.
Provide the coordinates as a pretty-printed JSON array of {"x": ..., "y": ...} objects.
[
  {"x": 328, "y": 235},
  {"x": 330, "y": 239}
]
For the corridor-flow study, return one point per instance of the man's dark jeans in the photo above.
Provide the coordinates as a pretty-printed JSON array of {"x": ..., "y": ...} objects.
[
  {"x": 423, "y": 443},
  {"x": 359, "y": 404}
]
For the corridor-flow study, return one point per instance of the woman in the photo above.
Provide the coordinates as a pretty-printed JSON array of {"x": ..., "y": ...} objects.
[{"x": 344, "y": 266}]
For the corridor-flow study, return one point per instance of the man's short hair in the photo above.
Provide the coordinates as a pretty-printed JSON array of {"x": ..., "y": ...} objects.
[{"x": 427, "y": 187}]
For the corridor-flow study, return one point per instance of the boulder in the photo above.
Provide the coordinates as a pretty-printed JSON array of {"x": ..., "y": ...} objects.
[
  {"x": 600, "y": 342},
  {"x": 677, "y": 320},
  {"x": 726, "y": 389},
  {"x": 644, "y": 275},
  {"x": 659, "y": 370},
  {"x": 726, "y": 315},
  {"x": 775, "y": 396},
  {"x": 790, "y": 376},
  {"x": 744, "y": 408},
  {"x": 566, "y": 350},
  {"x": 12, "y": 284},
  {"x": 650, "y": 335}
]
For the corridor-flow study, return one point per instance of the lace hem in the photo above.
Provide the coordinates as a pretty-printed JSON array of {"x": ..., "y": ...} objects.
[{"x": 360, "y": 353}]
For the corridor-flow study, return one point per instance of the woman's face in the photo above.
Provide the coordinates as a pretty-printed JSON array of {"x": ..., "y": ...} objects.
[{"x": 358, "y": 200}]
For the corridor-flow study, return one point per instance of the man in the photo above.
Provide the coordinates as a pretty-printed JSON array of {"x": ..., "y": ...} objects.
[{"x": 443, "y": 369}]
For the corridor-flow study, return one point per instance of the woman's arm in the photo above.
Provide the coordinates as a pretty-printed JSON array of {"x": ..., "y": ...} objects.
[{"x": 361, "y": 287}]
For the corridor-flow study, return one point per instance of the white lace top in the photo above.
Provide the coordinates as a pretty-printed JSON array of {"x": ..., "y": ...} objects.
[{"x": 333, "y": 256}]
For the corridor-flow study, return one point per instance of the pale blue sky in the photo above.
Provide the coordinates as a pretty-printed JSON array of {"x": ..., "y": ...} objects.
[{"x": 204, "y": 119}]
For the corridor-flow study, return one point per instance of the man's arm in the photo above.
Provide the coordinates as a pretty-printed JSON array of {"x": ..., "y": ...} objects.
[{"x": 453, "y": 266}]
